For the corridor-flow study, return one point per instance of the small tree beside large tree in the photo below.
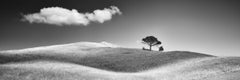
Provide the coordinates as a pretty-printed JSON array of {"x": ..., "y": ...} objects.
[{"x": 151, "y": 41}]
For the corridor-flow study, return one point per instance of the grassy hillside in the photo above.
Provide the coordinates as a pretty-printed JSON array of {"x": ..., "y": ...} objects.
[
  {"x": 112, "y": 59},
  {"x": 84, "y": 61}
]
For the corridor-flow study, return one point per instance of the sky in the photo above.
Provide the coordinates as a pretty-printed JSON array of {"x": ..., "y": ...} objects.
[{"x": 205, "y": 26}]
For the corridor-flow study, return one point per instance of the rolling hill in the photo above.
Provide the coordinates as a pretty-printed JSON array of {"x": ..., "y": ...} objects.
[{"x": 97, "y": 61}]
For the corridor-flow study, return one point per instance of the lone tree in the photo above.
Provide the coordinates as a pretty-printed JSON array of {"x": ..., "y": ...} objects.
[{"x": 151, "y": 41}]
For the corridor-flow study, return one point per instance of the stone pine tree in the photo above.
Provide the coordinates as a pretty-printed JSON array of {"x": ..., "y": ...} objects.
[{"x": 151, "y": 41}]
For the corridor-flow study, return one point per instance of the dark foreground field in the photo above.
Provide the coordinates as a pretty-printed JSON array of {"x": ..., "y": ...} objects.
[{"x": 87, "y": 61}]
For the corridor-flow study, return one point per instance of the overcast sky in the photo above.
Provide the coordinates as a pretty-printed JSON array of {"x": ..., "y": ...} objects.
[{"x": 206, "y": 26}]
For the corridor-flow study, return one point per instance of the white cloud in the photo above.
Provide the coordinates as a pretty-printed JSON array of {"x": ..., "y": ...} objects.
[
  {"x": 103, "y": 15},
  {"x": 62, "y": 16}
]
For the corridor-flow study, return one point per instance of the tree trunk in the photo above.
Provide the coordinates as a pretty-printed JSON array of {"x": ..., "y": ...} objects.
[{"x": 150, "y": 47}]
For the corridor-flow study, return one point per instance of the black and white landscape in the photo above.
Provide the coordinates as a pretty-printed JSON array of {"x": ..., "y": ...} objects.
[{"x": 120, "y": 40}]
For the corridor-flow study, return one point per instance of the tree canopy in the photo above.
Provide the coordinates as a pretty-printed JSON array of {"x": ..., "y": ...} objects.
[{"x": 151, "y": 41}]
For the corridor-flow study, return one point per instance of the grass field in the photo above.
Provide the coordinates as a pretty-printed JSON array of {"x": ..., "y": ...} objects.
[{"x": 90, "y": 61}]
